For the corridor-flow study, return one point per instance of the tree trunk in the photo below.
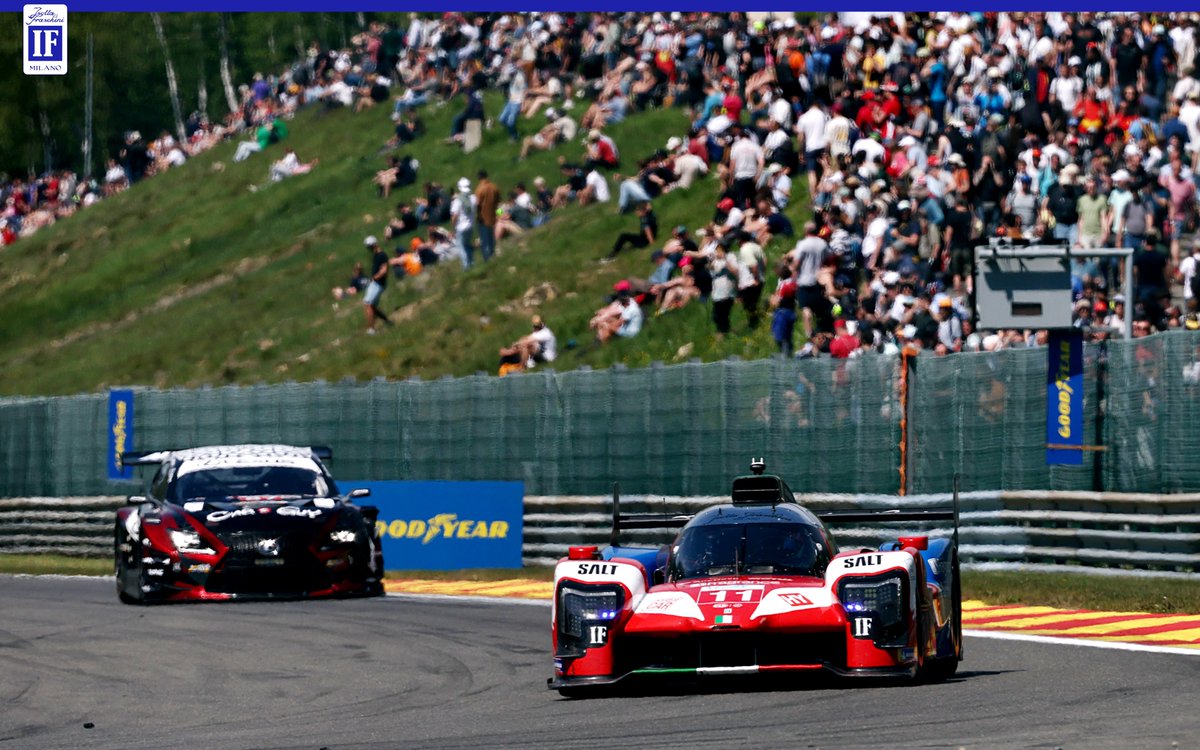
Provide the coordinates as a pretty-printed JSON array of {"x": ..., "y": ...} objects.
[
  {"x": 226, "y": 76},
  {"x": 88, "y": 105},
  {"x": 172, "y": 83}
]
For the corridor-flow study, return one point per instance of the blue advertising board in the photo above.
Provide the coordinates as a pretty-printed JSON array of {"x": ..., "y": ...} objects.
[
  {"x": 1064, "y": 398},
  {"x": 447, "y": 525},
  {"x": 120, "y": 432}
]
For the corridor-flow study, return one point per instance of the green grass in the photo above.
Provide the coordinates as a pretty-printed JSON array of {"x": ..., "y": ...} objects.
[
  {"x": 1064, "y": 590},
  {"x": 1082, "y": 591},
  {"x": 56, "y": 565},
  {"x": 191, "y": 279}
]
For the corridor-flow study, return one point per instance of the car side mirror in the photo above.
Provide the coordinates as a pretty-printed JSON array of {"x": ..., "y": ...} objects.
[
  {"x": 359, "y": 492},
  {"x": 135, "y": 500}
]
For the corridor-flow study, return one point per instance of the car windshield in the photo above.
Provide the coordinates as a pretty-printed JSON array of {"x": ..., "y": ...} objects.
[
  {"x": 252, "y": 481},
  {"x": 749, "y": 549}
]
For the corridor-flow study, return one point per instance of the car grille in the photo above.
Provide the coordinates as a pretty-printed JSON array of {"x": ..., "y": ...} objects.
[
  {"x": 731, "y": 649},
  {"x": 245, "y": 569}
]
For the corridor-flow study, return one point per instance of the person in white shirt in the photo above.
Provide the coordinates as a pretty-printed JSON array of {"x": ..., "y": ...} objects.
[
  {"x": 746, "y": 161},
  {"x": 1188, "y": 269},
  {"x": 596, "y": 190},
  {"x": 811, "y": 128},
  {"x": 780, "y": 184},
  {"x": 528, "y": 351},
  {"x": 689, "y": 168},
  {"x": 462, "y": 214}
]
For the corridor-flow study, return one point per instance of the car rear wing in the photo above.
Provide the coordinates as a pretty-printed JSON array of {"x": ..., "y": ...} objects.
[
  {"x": 150, "y": 458},
  {"x": 641, "y": 520},
  {"x": 897, "y": 514},
  {"x": 142, "y": 458}
]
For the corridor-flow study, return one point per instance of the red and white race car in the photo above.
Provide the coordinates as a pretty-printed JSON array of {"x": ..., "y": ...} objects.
[{"x": 757, "y": 586}]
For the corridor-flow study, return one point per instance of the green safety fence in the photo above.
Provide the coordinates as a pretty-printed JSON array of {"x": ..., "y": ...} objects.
[{"x": 826, "y": 425}]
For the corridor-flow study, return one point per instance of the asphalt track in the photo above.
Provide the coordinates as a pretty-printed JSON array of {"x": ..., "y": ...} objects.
[{"x": 80, "y": 670}]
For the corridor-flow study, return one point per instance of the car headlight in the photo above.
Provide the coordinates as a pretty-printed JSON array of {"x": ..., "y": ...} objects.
[
  {"x": 579, "y": 605},
  {"x": 882, "y": 598},
  {"x": 343, "y": 536},
  {"x": 186, "y": 540}
]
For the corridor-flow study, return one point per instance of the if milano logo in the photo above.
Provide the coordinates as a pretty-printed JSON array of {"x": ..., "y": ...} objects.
[{"x": 45, "y": 40}]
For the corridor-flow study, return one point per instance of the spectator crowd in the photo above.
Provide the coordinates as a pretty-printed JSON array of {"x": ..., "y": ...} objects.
[{"x": 913, "y": 137}]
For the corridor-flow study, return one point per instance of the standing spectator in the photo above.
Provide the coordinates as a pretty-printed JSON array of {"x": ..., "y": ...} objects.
[
  {"x": 512, "y": 106},
  {"x": 379, "y": 274},
  {"x": 724, "y": 271},
  {"x": 752, "y": 264},
  {"x": 783, "y": 322},
  {"x": 1189, "y": 275},
  {"x": 813, "y": 128},
  {"x": 487, "y": 201},
  {"x": 746, "y": 164},
  {"x": 462, "y": 214},
  {"x": 809, "y": 255},
  {"x": 1181, "y": 192},
  {"x": 1092, "y": 209}
]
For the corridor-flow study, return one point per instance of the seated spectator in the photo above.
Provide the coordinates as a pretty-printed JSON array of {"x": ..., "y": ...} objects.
[
  {"x": 644, "y": 237},
  {"x": 601, "y": 150},
  {"x": 558, "y": 129},
  {"x": 506, "y": 225},
  {"x": 575, "y": 181},
  {"x": 407, "y": 130},
  {"x": 407, "y": 260},
  {"x": 528, "y": 351},
  {"x": 472, "y": 111},
  {"x": 290, "y": 166},
  {"x": 631, "y": 194},
  {"x": 595, "y": 190},
  {"x": 115, "y": 179},
  {"x": 676, "y": 293},
  {"x": 373, "y": 91},
  {"x": 358, "y": 283},
  {"x": 548, "y": 90}
]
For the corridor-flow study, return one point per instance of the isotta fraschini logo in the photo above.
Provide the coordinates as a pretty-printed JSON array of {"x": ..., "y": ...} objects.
[{"x": 44, "y": 30}]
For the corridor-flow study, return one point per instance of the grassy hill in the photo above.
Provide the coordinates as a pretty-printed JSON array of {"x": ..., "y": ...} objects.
[{"x": 192, "y": 278}]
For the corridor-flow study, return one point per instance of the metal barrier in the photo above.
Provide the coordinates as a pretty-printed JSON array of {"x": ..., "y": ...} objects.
[{"x": 1108, "y": 533}]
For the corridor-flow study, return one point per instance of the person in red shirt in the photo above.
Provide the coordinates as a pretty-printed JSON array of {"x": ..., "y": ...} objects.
[
  {"x": 732, "y": 103},
  {"x": 844, "y": 342}
]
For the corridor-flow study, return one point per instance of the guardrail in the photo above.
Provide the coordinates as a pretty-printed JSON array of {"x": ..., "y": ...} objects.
[{"x": 1106, "y": 533}]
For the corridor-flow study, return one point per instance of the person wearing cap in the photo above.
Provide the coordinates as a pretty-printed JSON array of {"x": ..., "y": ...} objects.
[
  {"x": 1062, "y": 201},
  {"x": 1118, "y": 198},
  {"x": 532, "y": 349},
  {"x": 601, "y": 151},
  {"x": 379, "y": 276},
  {"x": 559, "y": 128},
  {"x": 462, "y": 216}
]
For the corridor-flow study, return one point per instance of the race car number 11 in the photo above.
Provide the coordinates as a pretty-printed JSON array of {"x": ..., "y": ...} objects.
[{"x": 720, "y": 596}]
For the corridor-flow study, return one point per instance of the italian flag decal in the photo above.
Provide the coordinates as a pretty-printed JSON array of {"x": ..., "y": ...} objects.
[{"x": 724, "y": 620}]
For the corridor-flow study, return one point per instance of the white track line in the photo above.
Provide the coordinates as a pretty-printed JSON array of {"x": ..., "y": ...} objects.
[
  {"x": 451, "y": 598},
  {"x": 1059, "y": 641}
]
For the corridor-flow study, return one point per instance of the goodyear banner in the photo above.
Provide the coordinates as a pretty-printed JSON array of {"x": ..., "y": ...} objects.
[
  {"x": 120, "y": 432},
  {"x": 1064, "y": 398},
  {"x": 447, "y": 525}
]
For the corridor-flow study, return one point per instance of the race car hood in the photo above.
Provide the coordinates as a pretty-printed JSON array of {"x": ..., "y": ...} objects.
[
  {"x": 257, "y": 513},
  {"x": 737, "y": 602}
]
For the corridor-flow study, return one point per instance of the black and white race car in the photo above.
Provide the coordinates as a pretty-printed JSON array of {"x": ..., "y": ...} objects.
[{"x": 244, "y": 521}]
